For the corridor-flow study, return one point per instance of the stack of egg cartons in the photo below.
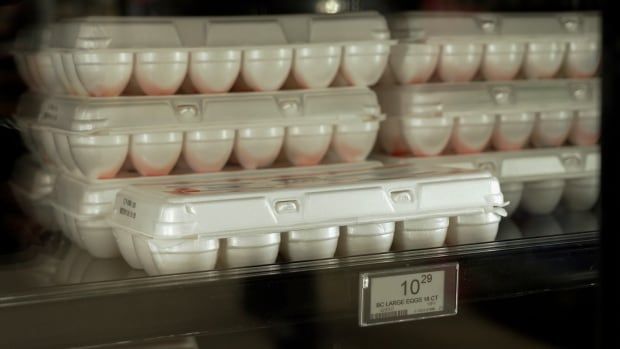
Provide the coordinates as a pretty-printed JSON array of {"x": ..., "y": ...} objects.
[
  {"x": 175, "y": 147},
  {"x": 512, "y": 93}
]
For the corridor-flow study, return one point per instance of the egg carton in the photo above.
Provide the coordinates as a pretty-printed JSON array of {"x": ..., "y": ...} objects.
[
  {"x": 458, "y": 47},
  {"x": 191, "y": 226},
  {"x": 81, "y": 206},
  {"x": 95, "y": 137},
  {"x": 430, "y": 119},
  {"x": 535, "y": 180},
  {"x": 108, "y": 56},
  {"x": 31, "y": 186}
]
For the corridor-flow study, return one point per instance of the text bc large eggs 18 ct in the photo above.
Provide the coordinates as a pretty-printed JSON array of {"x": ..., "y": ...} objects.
[
  {"x": 459, "y": 47},
  {"x": 110, "y": 56},
  {"x": 96, "y": 137},
  {"x": 465, "y": 118}
]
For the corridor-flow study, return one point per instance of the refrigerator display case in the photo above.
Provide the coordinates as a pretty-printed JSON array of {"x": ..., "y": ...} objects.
[{"x": 315, "y": 174}]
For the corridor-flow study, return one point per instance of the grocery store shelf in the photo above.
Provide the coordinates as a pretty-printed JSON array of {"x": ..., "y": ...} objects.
[{"x": 531, "y": 254}]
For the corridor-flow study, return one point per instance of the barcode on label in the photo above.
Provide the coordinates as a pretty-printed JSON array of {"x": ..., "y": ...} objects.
[{"x": 388, "y": 315}]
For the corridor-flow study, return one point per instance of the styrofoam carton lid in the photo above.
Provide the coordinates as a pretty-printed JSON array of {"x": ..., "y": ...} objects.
[
  {"x": 188, "y": 112},
  {"x": 81, "y": 197},
  {"x": 193, "y": 32},
  {"x": 518, "y": 166},
  {"x": 242, "y": 207},
  {"x": 31, "y": 179},
  {"x": 510, "y": 96},
  {"x": 491, "y": 27}
]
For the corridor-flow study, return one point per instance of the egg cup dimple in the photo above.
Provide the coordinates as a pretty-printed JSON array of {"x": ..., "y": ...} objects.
[
  {"x": 420, "y": 233},
  {"x": 266, "y": 69},
  {"x": 427, "y": 136},
  {"x": 551, "y": 128},
  {"x": 475, "y": 228},
  {"x": 582, "y": 58},
  {"x": 353, "y": 142},
  {"x": 581, "y": 194},
  {"x": 502, "y": 60},
  {"x": 307, "y": 244},
  {"x": 365, "y": 238},
  {"x": 363, "y": 64},
  {"x": 242, "y": 251},
  {"x": 307, "y": 145},
  {"x": 512, "y": 130},
  {"x": 160, "y": 73},
  {"x": 172, "y": 256},
  {"x": 459, "y": 62},
  {"x": 207, "y": 150},
  {"x": 155, "y": 153},
  {"x": 103, "y": 74},
  {"x": 316, "y": 66},
  {"x": 413, "y": 63},
  {"x": 214, "y": 71},
  {"x": 541, "y": 197},
  {"x": 543, "y": 59},
  {"x": 472, "y": 133},
  {"x": 99, "y": 156},
  {"x": 586, "y": 128},
  {"x": 258, "y": 147}
]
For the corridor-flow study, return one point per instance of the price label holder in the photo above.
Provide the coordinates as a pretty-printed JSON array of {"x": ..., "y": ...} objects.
[{"x": 398, "y": 295}]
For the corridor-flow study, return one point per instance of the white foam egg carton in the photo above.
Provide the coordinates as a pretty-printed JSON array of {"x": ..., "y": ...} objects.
[
  {"x": 95, "y": 137},
  {"x": 191, "y": 226},
  {"x": 31, "y": 186},
  {"x": 108, "y": 56},
  {"x": 463, "y": 118},
  {"x": 458, "y": 47},
  {"x": 535, "y": 180},
  {"x": 81, "y": 206}
]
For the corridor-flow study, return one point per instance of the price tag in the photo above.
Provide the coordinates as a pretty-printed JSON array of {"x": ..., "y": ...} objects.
[{"x": 408, "y": 294}]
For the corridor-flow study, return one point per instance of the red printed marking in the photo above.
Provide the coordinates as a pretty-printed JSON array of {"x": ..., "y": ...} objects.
[
  {"x": 399, "y": 152},
  {"x": 184, "y": 191},
  {"x": 421, "y": 153}
]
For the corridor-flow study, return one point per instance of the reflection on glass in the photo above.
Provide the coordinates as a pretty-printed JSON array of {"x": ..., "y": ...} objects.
[
  {"x": 78, "y": 266},
  {"x": 508, "y": 230},
  {"x": 539, "y": 225},
  {"x": 63, "y": 263},
  {"x": 172, "y": 343}
]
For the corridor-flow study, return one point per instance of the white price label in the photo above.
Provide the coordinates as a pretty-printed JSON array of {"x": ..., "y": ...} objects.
[{"x": 408, "y": 294}]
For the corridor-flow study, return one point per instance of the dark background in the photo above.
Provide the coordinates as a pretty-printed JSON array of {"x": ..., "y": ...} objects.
[{"x": 576, "y": 318}]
